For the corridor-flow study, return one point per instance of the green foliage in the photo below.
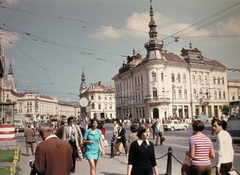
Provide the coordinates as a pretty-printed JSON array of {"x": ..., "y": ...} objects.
[
  {"x": 225, "y": 109},
  {"x": 6, "y": 155},
  {"x": 6, "y": 170}
]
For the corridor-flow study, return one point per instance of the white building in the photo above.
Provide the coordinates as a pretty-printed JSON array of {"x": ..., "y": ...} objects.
[
  {"x": 234, "y": 89},
  {"x": 101, "y": 100},
  {"x": 165, "y": 84},
  {"x": 33, "y": 106}
]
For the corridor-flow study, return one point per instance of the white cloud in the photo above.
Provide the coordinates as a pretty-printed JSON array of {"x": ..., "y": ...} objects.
[
  {"x": 230, "y": 28},
  {"x": 105, "y": 32},
  {"x": 137, "y": 27},
  {"x": 8, "y": 37},
  {"x": 12, "y": 1},
  {"x": 23, "y": 81}
]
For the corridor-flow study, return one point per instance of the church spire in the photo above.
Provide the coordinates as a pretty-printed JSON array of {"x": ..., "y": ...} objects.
[
  {"x": 153, "y": 45},
  {"x": 10, "y": 71},
  {"x": 83, "y": 85}
]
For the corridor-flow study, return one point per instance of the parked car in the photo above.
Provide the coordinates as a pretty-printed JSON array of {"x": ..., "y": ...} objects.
[
  {"x": 19, "y": 125},
  {"x": 203, "y": 118},
  {"x": 175, "y": 125}
]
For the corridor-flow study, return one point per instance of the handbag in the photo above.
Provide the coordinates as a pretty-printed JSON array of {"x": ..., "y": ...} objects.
[
  {"x": 80, "y": 153},
  {"x": 232, "y": 172},
  {"x": 163, "y": 138},
  {"x": 186, "y": 166}
]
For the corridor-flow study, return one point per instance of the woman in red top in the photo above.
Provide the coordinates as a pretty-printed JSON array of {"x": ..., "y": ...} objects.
[{"x": 103, "y": 129}]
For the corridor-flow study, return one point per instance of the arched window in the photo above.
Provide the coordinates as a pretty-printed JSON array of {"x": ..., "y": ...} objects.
[
  {"x": 154, "y": 92},
  {"x": 220, "y": 95},
  {"x": 194, "y": 94},
  {"x": 206, "y": 81},
  {"x": 214, "y": 80},
  {"x": 218, "y": 80},
  {"x": 162, "y": 77},
  {"x": 154, "y": 77},
  {"x": 185, "y": 94},
  {"x": 222, "y": 80},
  {"x": 163, "y": 93},
  {"x": 200, "y": 79},
  {"x": 179, "y": 78},
  {"x": 180, "y": 94},
  {"x": 215, "y": 95},
  {"x": 184, "y": 78},
  {"x": 173, "y": 77},
  {"x": 233, "y": 98},
  {"x": 224, "y": 97}
]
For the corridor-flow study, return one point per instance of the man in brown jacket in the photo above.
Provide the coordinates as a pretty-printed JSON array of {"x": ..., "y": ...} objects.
[
  {"x": 53, "y": 155},
  {"x": 29, "y": 134}
]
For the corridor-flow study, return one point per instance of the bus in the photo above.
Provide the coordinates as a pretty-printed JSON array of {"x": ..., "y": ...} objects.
[{"x": 234, "y": 119}]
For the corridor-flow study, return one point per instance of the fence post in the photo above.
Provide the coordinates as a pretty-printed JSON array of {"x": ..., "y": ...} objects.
[
  {"x": 169, "y": 162},
  {"x": 112, "y": 147}
]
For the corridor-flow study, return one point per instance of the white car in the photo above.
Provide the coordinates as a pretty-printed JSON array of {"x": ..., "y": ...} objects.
[{"x": 174, "y": 125}]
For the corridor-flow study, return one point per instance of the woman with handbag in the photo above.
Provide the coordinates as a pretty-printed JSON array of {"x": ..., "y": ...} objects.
[
  {"x": 94, "y": 145},
  {"x": 200, "y": 150}
]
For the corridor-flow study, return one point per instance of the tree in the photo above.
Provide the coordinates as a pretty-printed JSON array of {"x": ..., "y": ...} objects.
[{"x": 225, "y": 109}]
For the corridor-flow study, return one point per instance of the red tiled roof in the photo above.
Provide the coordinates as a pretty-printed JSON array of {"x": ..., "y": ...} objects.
[{"x": 173, "y": 57}]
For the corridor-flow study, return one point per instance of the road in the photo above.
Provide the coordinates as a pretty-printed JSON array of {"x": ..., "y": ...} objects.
[{"x": 177, "y": 140}]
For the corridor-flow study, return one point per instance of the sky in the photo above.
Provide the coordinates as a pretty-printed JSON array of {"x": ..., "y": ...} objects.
[{"x": 51, "y": 42}]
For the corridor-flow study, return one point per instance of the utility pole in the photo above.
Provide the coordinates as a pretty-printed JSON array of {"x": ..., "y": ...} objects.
[{"x": 173, "y": 107}]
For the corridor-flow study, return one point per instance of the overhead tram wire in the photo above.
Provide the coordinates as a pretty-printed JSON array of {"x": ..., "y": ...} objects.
[
  {"x": 29, "y": 58},
  {"x": 84, "y": 52},
  {"x": 62, "y": 57},
  {"x": 13, "y": 12},
  {"x": 184, "y": 35},
  {"x": 92, "y": 24},
  {"x": 203, "y": 20}
]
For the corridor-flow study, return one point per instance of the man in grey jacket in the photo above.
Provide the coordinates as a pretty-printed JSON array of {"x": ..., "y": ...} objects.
[{"x": 29, "y": 134}]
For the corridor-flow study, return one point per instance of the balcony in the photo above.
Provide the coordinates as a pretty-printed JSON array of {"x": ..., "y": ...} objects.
[{"x": 156, "y": 100}]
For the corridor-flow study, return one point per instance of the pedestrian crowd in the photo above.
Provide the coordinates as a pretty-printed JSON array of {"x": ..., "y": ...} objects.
[{"x": 74, "y": 142}]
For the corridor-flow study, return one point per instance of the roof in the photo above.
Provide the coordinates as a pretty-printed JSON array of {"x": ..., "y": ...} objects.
[{"x": 173, "y": 57}]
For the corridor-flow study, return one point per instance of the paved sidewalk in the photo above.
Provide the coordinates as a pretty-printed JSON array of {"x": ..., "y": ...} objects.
[{"x": 106, "y": 165}]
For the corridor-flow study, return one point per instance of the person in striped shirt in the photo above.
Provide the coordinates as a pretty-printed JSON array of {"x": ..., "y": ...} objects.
[{"x": 200, "y": 150}]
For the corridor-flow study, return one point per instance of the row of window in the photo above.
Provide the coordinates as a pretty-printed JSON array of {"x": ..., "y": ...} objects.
[
  {"x": 99, "y": 97},
  {"x": 100, "y": 106}
]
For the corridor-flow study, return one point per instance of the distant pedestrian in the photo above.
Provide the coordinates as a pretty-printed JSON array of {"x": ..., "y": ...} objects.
[
  {"x": 86, "y": 121},
  {"x": 141, "y": 159},
  {"x": 159, "y": 132},
  {"x": 200, "y": 150},
  {"x": 225, "y": 150},
  {"x": 133, "y": 136},
  {"x": 60, "y": 129},
  {"x": 121, "y": 138},
  {"x": 224, "y": 123},
  {"x": 29, "y": 134},
  {"x": 154, "y": 128}
]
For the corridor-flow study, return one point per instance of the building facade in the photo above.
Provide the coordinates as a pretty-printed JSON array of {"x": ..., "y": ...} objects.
[
  {"x": 167, "y": 85},
  {"x": 234, "y": 90},
  {"x": 101, "y": 100}
]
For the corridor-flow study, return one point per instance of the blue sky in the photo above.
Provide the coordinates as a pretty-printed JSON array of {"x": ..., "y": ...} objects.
[{"x": 50, "y": 42}]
